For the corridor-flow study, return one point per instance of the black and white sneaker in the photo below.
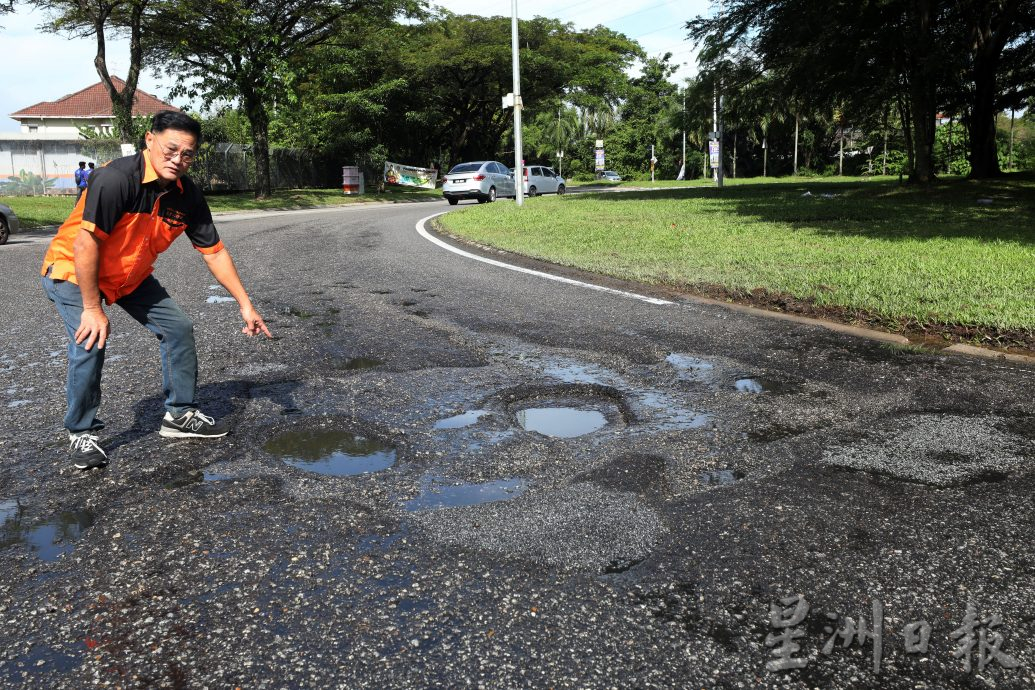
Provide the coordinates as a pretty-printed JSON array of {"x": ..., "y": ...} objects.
[
  {"x": 84, "y": 451},
  {"x": 192, "y": 424}
]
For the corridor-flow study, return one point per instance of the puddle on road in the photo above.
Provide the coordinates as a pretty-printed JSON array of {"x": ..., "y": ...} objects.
[
  {"x": 191, "y": 477},
  {"x": 48, "y": 539},
  {"x": 719, "y": 477},
  {"x": 461, "y": 420},
  {"x": 760, "y": 385},
  {"x": 436, "y": 495},
  {"x": 218, "y": 299},
  {"x": 334, "y": 453},
  {"x": 561, "y": 422}
]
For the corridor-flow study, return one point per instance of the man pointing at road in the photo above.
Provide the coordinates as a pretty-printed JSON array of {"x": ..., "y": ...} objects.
[{"x": 132, "y": 211}]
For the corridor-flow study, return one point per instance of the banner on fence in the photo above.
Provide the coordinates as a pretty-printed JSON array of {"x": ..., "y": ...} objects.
[{"x": 396, "y": 173}]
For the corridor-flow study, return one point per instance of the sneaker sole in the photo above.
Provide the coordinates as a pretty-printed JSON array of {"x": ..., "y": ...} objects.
[
  {"x": 90, "y": 465},
  {"x": 176, "y": 433}
]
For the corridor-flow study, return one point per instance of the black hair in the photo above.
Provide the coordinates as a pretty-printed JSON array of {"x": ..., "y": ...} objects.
[
  {"x": 91, "y": 164},
  {"x": 174, "y": 119},
  {"x": 82, "y": 164}
]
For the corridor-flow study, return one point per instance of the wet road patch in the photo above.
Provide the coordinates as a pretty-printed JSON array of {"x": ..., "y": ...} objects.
[
  {"x": 48, "y": 538},
  {"x": 332, "y": 452},
  {"x": 719, "y": 477},
  {"x": 357, "y": 363},
  {"x": 439, "y": 492},
  {"x": 194, "y": 477},
  {"x": 688, "y": 366},
  {"x": 936, "y": 449}
]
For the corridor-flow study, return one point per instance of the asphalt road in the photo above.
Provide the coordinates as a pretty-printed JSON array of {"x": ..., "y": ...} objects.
[{"x": 729, "y": 462}]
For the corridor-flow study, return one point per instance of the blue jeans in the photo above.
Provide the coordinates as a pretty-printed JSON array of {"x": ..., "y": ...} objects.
[{"x": 150, "y": 305}]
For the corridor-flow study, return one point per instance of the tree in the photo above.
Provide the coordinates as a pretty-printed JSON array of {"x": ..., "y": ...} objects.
[
  {"x": 431, "y": 92},
  {"x": 246, "y": 51},
  {"x": 83, "y": 18}
]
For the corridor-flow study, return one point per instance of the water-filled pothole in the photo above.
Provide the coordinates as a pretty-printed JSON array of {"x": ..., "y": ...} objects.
[
  {"x": 335, "y": 453},
  {"x": 461, "y": 420},
  {"x": 191, "y": 477},
  {"x": 219, "y": 299},
  {"x": 561, "y": 422},
  {"x": 762, "y": 385},
  {"x": 437, "y": 495},
  {"x": 49, "y": 538},
  {"x": 719, "y": 477}
]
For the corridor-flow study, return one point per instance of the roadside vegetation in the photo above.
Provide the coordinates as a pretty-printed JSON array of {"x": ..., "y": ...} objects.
[
  {"x": 41, "y": 211},
  {"x": 956, "y": 259}
]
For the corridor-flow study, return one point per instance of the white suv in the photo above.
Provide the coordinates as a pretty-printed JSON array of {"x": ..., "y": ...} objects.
[{"x": 542, "y": 180}]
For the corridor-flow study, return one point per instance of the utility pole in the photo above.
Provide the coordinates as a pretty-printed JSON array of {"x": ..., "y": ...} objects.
[
  {"x": 682, "y": 168},
  {"x": 717, "y": 119},
  {"x": 519, "y": 163},
  {"x": 797, "y": 118}
]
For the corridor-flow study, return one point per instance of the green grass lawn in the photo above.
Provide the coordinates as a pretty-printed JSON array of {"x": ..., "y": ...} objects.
[
  {"x": 906, "y": 257},
  {"x": 39, "y": 211}
]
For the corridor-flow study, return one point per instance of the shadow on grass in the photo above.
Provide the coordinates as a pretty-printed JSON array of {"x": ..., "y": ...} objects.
[{"x": 988, "y": 210}]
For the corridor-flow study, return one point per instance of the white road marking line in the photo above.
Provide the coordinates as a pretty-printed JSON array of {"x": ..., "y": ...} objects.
[{"x": 431, "y": 238}]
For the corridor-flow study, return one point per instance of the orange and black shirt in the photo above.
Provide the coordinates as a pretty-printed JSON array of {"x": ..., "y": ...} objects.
[{"x": 136, "y": 220}]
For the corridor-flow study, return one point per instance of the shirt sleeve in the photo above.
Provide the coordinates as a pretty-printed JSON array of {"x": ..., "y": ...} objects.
[
  {"x": 202, "y": 230},
  {"x": 107, "y": 199}
]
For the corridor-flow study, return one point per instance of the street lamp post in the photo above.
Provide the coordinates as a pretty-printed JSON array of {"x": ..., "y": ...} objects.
[{"x": 519, "y": 167}]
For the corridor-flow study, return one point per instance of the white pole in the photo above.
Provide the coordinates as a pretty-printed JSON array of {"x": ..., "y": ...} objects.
[
  {"x": 684, "y": 133},
  {"x": 519, "y": 165}
]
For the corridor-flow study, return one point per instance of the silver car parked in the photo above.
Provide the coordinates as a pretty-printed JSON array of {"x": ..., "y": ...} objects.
[
  {"x": 481, "y": 180},
  {"x": 8, "y": 223}
]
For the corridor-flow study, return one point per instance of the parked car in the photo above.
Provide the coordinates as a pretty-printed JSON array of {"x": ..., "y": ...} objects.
[
  {"x": 609, "y": 175},
  {"x": 8, "y": 223},
  {"x": 481, "y": 180},
  {"x": 542, "y": 180}
]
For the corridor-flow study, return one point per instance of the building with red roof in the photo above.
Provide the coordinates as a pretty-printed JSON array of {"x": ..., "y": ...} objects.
[{"x": 90, "y": 107}]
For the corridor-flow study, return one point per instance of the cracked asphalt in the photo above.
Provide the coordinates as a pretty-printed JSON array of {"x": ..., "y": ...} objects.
[{"x": 743, "y": 465}]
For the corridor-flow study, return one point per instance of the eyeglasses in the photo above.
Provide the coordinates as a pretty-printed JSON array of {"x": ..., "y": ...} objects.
[{"x": 171, "y": 153}]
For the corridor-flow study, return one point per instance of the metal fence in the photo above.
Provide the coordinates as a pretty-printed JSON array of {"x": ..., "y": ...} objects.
[{"x": 33, "y": 167}]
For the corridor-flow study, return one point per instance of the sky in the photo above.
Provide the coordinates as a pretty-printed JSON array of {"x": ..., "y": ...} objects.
[{"x": 40, "y": 66}]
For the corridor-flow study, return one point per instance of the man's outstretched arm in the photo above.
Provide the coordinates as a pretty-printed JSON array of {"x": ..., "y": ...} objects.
[{"x": 223, "y": 269}]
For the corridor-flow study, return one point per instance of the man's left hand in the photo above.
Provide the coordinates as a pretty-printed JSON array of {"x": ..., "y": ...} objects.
[{"x": 253, "y": 323}]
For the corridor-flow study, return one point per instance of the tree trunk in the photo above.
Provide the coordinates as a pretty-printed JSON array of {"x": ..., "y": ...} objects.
[
  {"x": 121, "y": 101},
  {"x": 984, "y": 152},
  {"x": 795, "y": 143},
  {"x": 923, "y": 105},
  {"x": 259, "y": 120}
]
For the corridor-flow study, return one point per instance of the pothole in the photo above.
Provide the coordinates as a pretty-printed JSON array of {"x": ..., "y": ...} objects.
[
  {"x": 438, "y": 494},
  {"x": 461, "y": 420},
  {"x": 219, "y": 299},
  {"x": 719, "y": 477},
  {"x": 935, "y": 449},
  {"x": 561, "y": 422},
  {"x": 332, "y": 452},
  {"x": 49, "y": 538},
  {"x": 192, "y": 477},
  {"x": 764, "y": 385}
]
